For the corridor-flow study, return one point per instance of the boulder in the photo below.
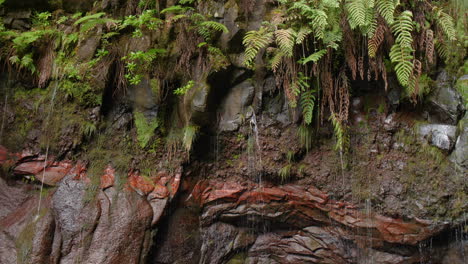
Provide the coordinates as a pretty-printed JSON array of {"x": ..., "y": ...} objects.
[
  {"x": 441, "y": 136},
  {"x": 234, "y": 107},
  {"x": 445, "y": 104},
  {"x": 460, "y": 153}
]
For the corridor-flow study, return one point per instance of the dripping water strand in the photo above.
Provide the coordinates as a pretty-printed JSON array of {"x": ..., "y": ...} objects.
[
  {"x": 254, "y": 128},
  {"x": 3, "y": 116},
  {"x": 51, "y": 108}
]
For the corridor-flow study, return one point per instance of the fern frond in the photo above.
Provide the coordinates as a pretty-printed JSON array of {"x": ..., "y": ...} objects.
[
  {"x": 302, "y": 34},
  {"x": 356, "y": 10},
  {"x": 429, "y": 44},
  {"x": 254, "y": 41},
  {"x": 402, "y": 28},
  {"x": 447, "y": 25},
  {"x": 89, "y": 17},
  {"x": 442, "y": 49},
  {"x": 276, "y": 60},
  {"x": 402, "y": 56},
  {"x": 342, "y": 139},
  {"x": 386, "y": 9},
  {"x": 300, "y": 84},
  {"x": 377, "y": 39},
  {"x": 314, "y": 57},
  {"x": 308, "y": 104},
  {"x": 285, "y": 41},
  {"x": 176, "y": 9},
  {"x": 318, "y": 22},
  {"x": 215, "y": 26}
]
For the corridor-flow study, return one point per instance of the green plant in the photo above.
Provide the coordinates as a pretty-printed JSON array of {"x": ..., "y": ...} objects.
[
  {"x": 147, "y": 20},
  {"x": 401, "y": 52},
  {"x": 285, "y": 172},
  {"x": 190, "y": 133},
  {"x": 305, "y": 134},
  {"x": 184, "y": 89},
  {"x": 135, "y": 62},
  {"x": 145, "y": 128},
  {"x": 92, "y": 20}
]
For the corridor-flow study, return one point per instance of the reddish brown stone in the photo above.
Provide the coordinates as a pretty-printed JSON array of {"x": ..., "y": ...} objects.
[
  {"x": 309, "y": 205},
  {"x": 108, "y": 178},
  {"x": 139, "y": 183}
]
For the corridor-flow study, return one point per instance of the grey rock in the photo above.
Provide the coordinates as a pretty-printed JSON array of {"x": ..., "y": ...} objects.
[
  {"x": 445, "y": 104},
  {"x": 219, "y": 240},
  {"x": 235, "y": 105},
  {"x": 7, "y": 249},
  {"x": 441, "y": 136},
  {"x": 200, "y": 98},
  {"x": 460, "y": 153},
  {"x": 87, "y": 46}
]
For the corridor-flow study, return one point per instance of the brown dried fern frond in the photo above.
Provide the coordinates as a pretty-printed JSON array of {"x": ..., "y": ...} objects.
[
  {"x": 429, "y": 45},
  {"x": 376, "y": 40}
]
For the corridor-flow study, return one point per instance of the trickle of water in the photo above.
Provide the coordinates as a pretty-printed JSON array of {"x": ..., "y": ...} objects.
[
  {"x": 46, "y": 125},
  {"x": 3, "y": 116},
  {"x": 256, "y": 158}
]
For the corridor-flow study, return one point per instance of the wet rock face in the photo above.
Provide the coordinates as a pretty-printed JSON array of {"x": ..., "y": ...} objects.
[
  {"x": 80, "y": 221},
  {"x": 441, "y": 136},
  {"x": 300, "y": 224},
  {"x": 460, "y": 154},
  {"x": 445, "y": 104}
]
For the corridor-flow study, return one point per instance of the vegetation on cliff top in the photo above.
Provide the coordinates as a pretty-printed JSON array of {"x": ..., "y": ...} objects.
[{"x": 314, "y": 49}]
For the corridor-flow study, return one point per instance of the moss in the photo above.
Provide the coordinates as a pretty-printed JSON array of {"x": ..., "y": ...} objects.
[{"x": 238, "y": 258}]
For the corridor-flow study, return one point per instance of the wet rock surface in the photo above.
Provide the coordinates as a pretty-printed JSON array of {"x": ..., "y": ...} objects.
[{"x": 445, "y": 103}]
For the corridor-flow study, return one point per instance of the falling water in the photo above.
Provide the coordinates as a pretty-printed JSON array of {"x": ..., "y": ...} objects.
[
  {"x": 46, "y": 125},
  {"x": 256, "y": 159},
  {"x": 3, "y": 116}
]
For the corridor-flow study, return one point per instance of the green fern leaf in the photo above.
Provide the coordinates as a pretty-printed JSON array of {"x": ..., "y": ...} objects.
[
  {"x": 285, "y": 41},
  {"x": 402, "y": 28},
  {"x": 386, "y": 9},
  {"x": 403, "y": 59},
  {"x": 308, "y": 104},
  {"x": 445, "y": 22},
  {"x": 356, "y": 10},
  {"x": 215, "y": 26},
  {"x": 254, "y": 41},
  {"x": 276, "y": 60},
  {"x": 302, "y": 34},
  {"x": 314, "y": 57}
]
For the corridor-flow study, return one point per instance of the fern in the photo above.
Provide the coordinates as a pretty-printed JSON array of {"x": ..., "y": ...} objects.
[
  {"x": 205, "y": 28},
  {"x": 302, "y": 34},
  {"x": 375, "y": 41},
  {"x": 401, "y": 51},
  {"x": 446, "y": 23},
  {"x": 402, "y": 29},
  {"x": 308, "y": 104},
  {"x": 176, "y": 9},
  {"x": 314, "y": 57},
  {"x": 342, "y": 139},
  {"x": 91, "y": 21},
  {"x": 276, "y": 60},
  {"x": 356, "y": 10},
  {"x": 386, "y": 9},
  {"x": 144, "y": 128},
  {"x": 403, "y": 58},
  {"x": 285, "y": 41},
  {"x": 254, "y": 41},
  {"x": 300, "y": 84}
]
